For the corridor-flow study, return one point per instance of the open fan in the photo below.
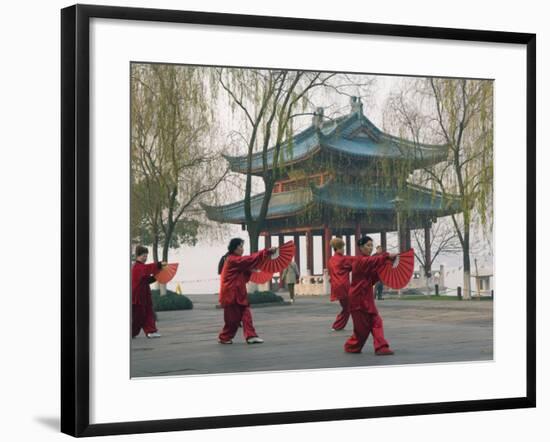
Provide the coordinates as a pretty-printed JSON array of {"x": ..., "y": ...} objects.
[
  {"x": 260, "y": 276},
  {"x": 280, "y": 259},
  {"x": 167, "y": 273},
  {"x": 398, "y": 273}
]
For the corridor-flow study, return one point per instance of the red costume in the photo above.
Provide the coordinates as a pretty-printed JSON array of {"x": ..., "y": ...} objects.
[
  {"x": 142, "y": 303},
  {"x": 364, "y": 313},
  {"x": 233, "y": 296},
  {"x": 339, "y": 267}
]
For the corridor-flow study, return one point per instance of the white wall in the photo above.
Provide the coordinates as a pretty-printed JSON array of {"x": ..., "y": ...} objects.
[{"x": 29, "y": 179}]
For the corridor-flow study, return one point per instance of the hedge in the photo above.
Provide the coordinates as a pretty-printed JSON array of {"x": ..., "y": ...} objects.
[
  {"x": 263, "y": 297},
  {"x": 170, "y": 301}
]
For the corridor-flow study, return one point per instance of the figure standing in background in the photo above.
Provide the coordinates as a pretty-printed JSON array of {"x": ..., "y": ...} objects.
[{"x": 290, "y": 276}]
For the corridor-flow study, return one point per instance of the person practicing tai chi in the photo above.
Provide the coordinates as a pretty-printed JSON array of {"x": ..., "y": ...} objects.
[
  {"x": 143, "y": 316},
  {"x": 235, "y": 270},
  {"x": 339, "y": 268},
  {"x": 365, "y": 316}
]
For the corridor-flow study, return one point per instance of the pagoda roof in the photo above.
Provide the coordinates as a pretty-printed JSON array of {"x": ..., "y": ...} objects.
[
  {"x": 353, "y": 136},
  {"x": 416, "y": 199},
  {"x": 282, "y": 204}
]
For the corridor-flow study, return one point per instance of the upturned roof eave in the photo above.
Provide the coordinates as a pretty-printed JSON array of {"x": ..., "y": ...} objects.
[{"x": 215, "y": 213}]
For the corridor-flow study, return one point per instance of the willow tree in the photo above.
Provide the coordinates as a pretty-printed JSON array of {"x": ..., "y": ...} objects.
[
  {"x": 458, "y": 113},
  {"x": 268, "y": 101},
  {"x": 174, "y": 166}
]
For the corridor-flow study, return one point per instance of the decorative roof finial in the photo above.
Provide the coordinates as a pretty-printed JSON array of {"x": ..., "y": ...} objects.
[
  {"x": 356, "y": 105},
  {"x": 318, "y": 117}
]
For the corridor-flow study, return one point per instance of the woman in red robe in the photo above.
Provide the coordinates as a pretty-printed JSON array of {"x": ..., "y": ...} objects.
[
  {"x": 339, "y": 268},
  {"x": 235, "y": 270},
  {"x": 365, "y": 316},
  {"x": 143, "y": 316}
]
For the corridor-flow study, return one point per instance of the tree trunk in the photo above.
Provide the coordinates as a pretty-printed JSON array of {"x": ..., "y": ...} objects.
[
  {"x": 466, "y": 260},
  {"x": 253, "y": 237},
  {"x": 165, "y": 248},
  {"x": 168, "y": 239},
  {"x": 156, "y": 249}
]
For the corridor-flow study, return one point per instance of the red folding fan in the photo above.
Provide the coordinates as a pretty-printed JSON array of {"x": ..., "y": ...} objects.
[
  {"x": 398, "y": 273},
  {"x": 260, "y": 276},
  {"x": 280, "y": 259},
  {"x": 167, "y": 273}
]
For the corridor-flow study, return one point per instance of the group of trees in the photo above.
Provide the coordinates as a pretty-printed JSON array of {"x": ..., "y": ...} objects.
[
  {"x": 176, "y": 157},
  {"x": 268, "y": 101},
  {"x": 458, "y": 113},
  {"x": 173, "y": 163}
]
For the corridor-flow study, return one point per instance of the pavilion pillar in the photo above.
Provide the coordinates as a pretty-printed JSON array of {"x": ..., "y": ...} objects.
[
  {"x": 267, "y": 240},
  {"x": 297, "y": 249},
  {"x": 427, "y": 251},
  {"x": 402, "y": 240},
  {"x": 323, "y": 250},
  {"x": 327, "y": 235},
  {"x": 407, "y": 238},
  {"x": 267, "y": 245},
  {"x": 348, "y": 244},
  {"x": 357, "y": 236},
  {"x": 309, "y": 251},
  {"x": 402, "y": 236},
  {"x": 281, "y": 242},
  {"x": 384, "y": 241}
]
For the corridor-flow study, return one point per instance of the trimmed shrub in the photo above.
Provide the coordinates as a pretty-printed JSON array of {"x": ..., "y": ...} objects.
[
  {"x": 412, "y": 292},
  {"x": 170, "y": 301},
  {"x": 263, "y": 297}
]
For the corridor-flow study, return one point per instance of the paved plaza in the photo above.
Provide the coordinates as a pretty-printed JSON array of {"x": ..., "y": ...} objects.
[{"x": 298, "y": 336}]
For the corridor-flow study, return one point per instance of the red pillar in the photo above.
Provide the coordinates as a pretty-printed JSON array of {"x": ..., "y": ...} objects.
[
  {"x": 297, "y": 249},
  {"x": 348, "y": 244},
  {"x": 357, "y": 236},
  {"x": 407, "y": 238},
  {"x": 267, "y": 239},
  {"x": 324, "y": 251},
  {"x": 267, "y": 245},
  {"x": 427, "y": 249},
  {"x": 327, "y": 236},
  {"x": 309, "y": 250}
]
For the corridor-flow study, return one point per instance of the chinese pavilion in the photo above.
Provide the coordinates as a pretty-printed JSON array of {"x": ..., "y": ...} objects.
[{"x": 344, "y": 177}]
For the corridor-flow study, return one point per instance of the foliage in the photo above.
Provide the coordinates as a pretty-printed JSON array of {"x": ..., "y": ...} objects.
[
  {"x": 170, "y": 301},
  {"x": 264, "y": 297},
  {"x": 430, "y": 298},
  {"x": 174, "y": 166},
  {"x": 411, "y": 292},
  {"x": 459, "y": 114},
  {"x": 267, "y": 101}
]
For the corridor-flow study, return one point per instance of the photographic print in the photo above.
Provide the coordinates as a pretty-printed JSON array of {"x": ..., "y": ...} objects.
[
  {"x": 293, "y": 220},
  {"x": 300, "y": 220}
]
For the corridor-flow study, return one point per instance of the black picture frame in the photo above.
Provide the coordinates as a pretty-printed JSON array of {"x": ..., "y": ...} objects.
[{"x": 75, "y": 213}]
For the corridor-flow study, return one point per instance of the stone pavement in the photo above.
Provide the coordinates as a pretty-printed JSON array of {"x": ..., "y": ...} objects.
[{"x": 298, "y": 336}]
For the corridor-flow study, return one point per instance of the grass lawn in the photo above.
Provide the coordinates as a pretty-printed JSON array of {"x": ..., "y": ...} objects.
[{"x": 437, "y": 298}]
